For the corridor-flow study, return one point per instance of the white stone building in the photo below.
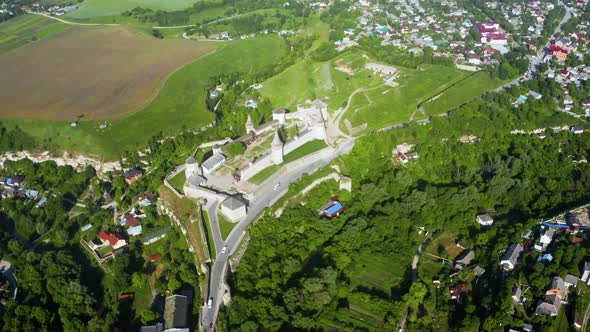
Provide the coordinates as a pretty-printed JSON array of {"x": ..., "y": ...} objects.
[{"x": 233, "y": 208}]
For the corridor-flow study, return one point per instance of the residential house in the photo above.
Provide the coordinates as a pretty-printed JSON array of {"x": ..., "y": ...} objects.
[
  {"x": 155, "y": 236},
  {"x": 332, "y": 209},
  {"x": 132, "y": 175},
  {"x": 554, "y": 297},
  {"x": 511, "y": 256},
  {"x": 577, "y": 129},
  {"x": 458, "y": 290},
  {"x": 586, "y": 273},
  {"x": 112, "y": 240},
  {"x": 516, "y": 293},
  {"x": 134, "y": 231},
  {"x": 464, "y": 259},
  {"x": 485, "y": 220},
  {"x": 158, "y": 327},
  {"x": 176, "y": 312},
  {"x": 545, "y": 239},
  {"x": 570, "y": 281}
]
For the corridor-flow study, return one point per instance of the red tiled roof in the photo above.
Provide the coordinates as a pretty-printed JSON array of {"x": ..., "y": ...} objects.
[
  {"x": 109, "y": 237},
  {"x": 155, "y": 257}
]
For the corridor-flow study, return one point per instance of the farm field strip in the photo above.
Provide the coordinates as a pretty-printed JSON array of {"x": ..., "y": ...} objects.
[
  {"x": 26, "y": 29},
  {"x": 96, "y": 8}
]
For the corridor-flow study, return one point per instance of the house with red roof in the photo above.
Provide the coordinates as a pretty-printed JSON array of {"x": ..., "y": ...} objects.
[{"x": 112, "y": 239}]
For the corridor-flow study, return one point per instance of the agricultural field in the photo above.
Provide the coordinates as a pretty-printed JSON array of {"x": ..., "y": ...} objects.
[
  {"x": 97, "y": 8},
  {"x": 86, "y": 73},
  {"x": 27, "y": 29},
  {"x": 179, "y": 103}
]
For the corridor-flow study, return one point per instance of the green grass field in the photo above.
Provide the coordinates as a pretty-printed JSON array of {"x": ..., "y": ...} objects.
[
  {"x": 375, "y": 104},
  {"x": 180, "y": 103},
  {"x": 26, "y": 29},
  {"x": 376, "y": 271},
  {"x": 177, "y": 182},
  {"x": 94, "y": 8},
  {"x": 445, "y": 245},
  {"x": 385, "y": 105},
  {"x": 225, "y": 226},
  {"x": 209, "y": 233},
  {"x": 304, "y": 150},
  {"x": 472, "y": 87}
]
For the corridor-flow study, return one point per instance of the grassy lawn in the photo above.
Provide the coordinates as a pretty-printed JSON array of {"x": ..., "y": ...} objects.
[
  {"x": 376, "y": 104},
  {"x": 376, "y": 271},
  {"x": 561, "y": 324},
  {"x": 464, "y": 91},
  {"x": 177, "y": 182},
  {"x": 387, "y": 106},
  {"x": 209, "y": 233},
  {"x": 92, "y": 8},
  {"x": 445, "y": 245},
  {"x": 225, "y": 226},
  {"x": 180, "y": 103},
  {"x": 142, "y": 299},
  {"x": 26, "y": 29},
  {"x": 302, "y": 151}
]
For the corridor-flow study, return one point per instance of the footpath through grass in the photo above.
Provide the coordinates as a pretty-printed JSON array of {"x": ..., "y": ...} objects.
[{"x": 180, "y": 103}]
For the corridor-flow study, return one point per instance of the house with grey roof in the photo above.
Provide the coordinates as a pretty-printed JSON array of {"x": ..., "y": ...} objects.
[
  {"x": 555, "y": 296},
  {"x": 485, "y": 220},
  {"x": 586, "y": 273},
  {"x": 234, "y": 208},
  {"x": 176, "y": 312},
  {"x": 511, "y": 256},
  {"x": 211, "y": 164},
  {"x": 159, "y": 327},
  {"x": 464, "y": 259}
]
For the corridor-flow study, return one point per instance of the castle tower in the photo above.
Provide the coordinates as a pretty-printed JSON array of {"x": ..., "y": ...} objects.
[
  {"x": 192, "y": 167},
  {"x": 249, "y": 125},
  {"x": 280, "y": 115},
  {"x": 277, "y": 149}
]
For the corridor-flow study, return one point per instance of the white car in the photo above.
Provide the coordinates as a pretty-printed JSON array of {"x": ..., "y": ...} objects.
[
  {"x": 210, "y": 303},
  {"x": 224, "y": 249},
  {"x": 277, "y": 186}
]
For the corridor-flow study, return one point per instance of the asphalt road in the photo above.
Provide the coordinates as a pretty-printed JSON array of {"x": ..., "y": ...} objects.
[
  {"x": 212, "y": 212},
  {"x": 265, "y": 197}
]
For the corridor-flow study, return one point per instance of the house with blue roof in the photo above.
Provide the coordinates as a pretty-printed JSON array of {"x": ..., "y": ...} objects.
[{"x": 332, "y": 208}]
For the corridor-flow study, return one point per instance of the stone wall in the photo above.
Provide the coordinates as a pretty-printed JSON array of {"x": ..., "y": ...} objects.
[
  {"x": 313, "y": 134},
  {"x": 201, "y": 192},
  {"x": 256, "y": 167}
]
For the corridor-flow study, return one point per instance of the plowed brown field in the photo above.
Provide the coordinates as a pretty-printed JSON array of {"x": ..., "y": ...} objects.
[{"x": 89, "y": 72}]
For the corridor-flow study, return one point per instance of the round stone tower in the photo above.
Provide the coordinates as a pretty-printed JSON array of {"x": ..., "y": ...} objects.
[
  {"x": 277, "y": 149},
  {"x": 192, "y": 167}
]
